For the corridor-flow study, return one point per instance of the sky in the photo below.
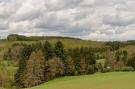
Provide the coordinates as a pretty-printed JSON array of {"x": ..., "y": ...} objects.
[{"x": 101, "y": 20}]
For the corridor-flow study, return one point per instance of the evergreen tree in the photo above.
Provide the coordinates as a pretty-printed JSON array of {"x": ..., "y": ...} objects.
[
  {"x": 19, "y": 76},
  {"x": 48, "y": 50},
  {"x": 125, "y": 57},
  {"x": 131, "y": 62},
  {"x": 59, "y": 50}
]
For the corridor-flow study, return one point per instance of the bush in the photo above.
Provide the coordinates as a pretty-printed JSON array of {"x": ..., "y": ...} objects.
[{"x": 127, "y": 68}]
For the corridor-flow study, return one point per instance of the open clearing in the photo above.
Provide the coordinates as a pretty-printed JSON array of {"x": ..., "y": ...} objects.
[{"x": 113, "y": 80}]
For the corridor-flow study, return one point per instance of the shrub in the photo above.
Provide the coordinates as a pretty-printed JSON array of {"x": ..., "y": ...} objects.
[{"x": 127, "y": 69}]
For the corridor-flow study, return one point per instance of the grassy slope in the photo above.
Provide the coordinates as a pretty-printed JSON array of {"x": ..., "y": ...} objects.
[
  {"x": 114, "y": 80},
  {"x": 68, "y": 43},
  {"x": 72, "y": 43}
]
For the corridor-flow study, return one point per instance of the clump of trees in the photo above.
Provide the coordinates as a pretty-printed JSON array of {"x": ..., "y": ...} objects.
[
  {"x": 118, "y": 61},
  {"x": 41, "y": 62}
]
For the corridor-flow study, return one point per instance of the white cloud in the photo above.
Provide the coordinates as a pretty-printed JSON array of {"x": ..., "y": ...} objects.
[{"x": 87, "y": 19}]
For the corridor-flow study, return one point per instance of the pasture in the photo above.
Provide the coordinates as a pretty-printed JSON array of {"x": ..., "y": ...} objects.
[{"x": 113, "y": 80}]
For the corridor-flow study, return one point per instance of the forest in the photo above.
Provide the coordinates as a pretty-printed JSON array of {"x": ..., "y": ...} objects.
[{"x": 41, "y": 61}]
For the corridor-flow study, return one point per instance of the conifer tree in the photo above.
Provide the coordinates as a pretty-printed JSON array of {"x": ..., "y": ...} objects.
[
  {"x": 48, "y": 50},
  {"x": 59, "y": 50}
]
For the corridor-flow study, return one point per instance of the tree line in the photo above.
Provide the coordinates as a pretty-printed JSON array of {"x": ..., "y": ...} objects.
[
  {"x": 41, "y": 62},
  {"x": 16, "y": 37}
]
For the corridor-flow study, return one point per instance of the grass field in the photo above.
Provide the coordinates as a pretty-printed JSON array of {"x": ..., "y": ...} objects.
[
  {"x": 68, "y": 43},
  {"x": 114, "y": 80}
]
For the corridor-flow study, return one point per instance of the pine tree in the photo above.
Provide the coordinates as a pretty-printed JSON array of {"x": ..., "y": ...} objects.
[
  {"x": 48, "y": 50},
  {"x": 22, "y": 65},
  {"x": 59, "y": 50}
]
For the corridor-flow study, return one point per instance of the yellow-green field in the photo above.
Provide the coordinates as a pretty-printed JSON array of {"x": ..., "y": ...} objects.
[
  {"x": 68, "y": 43},
  {"x": 114, "y": 80}
]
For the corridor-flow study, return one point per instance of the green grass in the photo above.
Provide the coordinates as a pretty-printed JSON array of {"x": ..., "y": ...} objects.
[
  {"x": 114, "y": 80},
  {"x": 68, "y": 43},
  {"x": 72, "y": 43}
]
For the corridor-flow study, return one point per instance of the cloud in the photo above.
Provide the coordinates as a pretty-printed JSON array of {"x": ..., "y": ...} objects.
[{"x": 86, "y": 19}]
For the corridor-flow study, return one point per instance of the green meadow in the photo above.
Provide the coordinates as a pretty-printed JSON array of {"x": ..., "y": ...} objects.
[{"x": 113, "y": 80}]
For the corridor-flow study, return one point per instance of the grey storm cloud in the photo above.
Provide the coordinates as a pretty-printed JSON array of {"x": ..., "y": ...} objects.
[{"x": 86, "y": 19}]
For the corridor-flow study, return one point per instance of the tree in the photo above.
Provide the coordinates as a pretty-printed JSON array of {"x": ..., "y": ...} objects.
[
  {"x": 125, "y": 56},
  {"x": 34, "y": 73},
  {"x": 82, "y": 67},
  {"x": 48, "y": 50},
  {"x": 27, "y": 50},
  {"x": 118, "y": 55},
  {"x": 54, "y": 68},
  {"x": 131, "y": 62},
  {"x": 59, "y": 50},
  {"x": 110, "y": 60},
  {"x": 69, "y": 66}
]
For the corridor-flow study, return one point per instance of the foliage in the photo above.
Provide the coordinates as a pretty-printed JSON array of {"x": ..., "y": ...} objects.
[
  {"x": 34, "y": 73},
  {"x": 132, "y": 63},
  {"x": 36, "y": 67}
]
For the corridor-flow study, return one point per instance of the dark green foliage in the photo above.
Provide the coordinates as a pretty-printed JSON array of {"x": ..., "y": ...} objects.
[
  {"x": 83, "y": 57},
  {"x": 115, "y": 45},
  {"x": 59, "y": 50},
  {"x": 22, "y": 65},
  {"x": 48, "y": 50},
  {"x": 20, "y": 73},
  {"x": 121, "y": 55},
  {"x": 132, "y": 63}
]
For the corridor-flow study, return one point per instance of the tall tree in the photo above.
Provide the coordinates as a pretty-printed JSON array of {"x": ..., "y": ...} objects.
[
  {"x": 27, "y": 50},
  {"x": 54, "y": 68},
  {"x": 48, "y": 50},
  {"x": 34, "y": 74},
  {"x": 69, "y": 66},
  {"x": 59, "y": 50},
  {"x": 131, "y": 62}
]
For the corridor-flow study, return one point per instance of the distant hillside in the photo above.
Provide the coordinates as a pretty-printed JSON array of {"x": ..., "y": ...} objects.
[
  {"x": 16, "y": 37},
  {"x": 68, "y": 42}
]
